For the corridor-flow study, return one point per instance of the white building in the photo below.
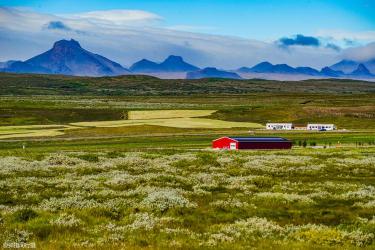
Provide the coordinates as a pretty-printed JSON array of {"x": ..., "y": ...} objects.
[
  {"x": 320, "y": 126},
  {"x": 279, "y": 126}
]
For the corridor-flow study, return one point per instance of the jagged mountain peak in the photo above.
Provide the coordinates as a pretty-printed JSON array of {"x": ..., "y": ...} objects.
[
  {"x": 66, "y": 43},
  {"x": 361, "y": 70},
  {"x": 173, "y": 58}
]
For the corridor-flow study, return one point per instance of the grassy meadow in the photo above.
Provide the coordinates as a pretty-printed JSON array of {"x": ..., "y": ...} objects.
[{"x": 125, "y": 163}]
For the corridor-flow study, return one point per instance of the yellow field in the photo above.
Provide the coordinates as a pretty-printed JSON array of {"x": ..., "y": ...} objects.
[
  {"x": 173, "y": 122},
  {"x": 167, "y": 114},
  {"x": 166, "y": 118},
  {"x": 31, "y": 131},
  {"x": 171, "y": 118}
]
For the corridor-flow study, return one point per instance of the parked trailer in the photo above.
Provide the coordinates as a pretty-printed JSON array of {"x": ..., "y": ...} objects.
[
  {"x": 279, "y": 126},
  {"x": 320, "y": 127}
]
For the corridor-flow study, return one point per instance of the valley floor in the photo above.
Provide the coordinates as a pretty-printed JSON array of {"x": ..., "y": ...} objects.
[{"x": 138, "y": 172}]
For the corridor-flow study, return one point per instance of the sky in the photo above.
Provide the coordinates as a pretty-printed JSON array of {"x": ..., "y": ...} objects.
[{"x": 220, "y": 33}]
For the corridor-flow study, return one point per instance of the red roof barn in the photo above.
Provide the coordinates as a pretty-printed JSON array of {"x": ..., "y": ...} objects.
[{"x": 235, "y": 143}]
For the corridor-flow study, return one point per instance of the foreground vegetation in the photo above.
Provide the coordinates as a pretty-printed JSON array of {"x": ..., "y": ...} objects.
[{"x": 190, "y": 199}]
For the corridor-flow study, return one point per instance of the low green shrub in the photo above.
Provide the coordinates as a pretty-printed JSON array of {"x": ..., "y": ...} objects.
[{"x": 24, "y": 215}]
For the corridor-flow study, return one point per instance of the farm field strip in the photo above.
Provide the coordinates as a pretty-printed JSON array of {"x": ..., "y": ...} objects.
[
  {"x": 7, "y": 132},
  {"x": 173, "y": 122},
  {"x": 167, "y": 118},
  {"x": 171, "y": 118},
  {"x": 167, "y": 114}
]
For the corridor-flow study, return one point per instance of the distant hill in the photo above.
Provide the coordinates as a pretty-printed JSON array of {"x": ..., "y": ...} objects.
[
  {"x": 23, "y": 67},
  {"x": 211, "y": 73},
  {"x": 138, "y": 85},
  {"x": 170, "y": 64},
  {"x": 145, "y": 66},
  {"x": 177, "y": 64},
  {"x": 266, "y": 67},
  {"x": 68, "y": 58},
  {"x": 327, "y": 71},
  {"x": 7, "y": 63},
  {"x": 259, "y": 68},
  {"x": 281, "y": 71},
  {"x": 307, "y": 71},
  {"x": 361, "y": 72},
  {"x": 348, "y": 66}
]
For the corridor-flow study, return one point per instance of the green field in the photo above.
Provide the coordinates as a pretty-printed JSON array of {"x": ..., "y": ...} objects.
[{"x": 126, "y": 163}]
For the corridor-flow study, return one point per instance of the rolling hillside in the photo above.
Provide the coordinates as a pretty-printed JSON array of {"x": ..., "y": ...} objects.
[{"x": 30, "y": 84}]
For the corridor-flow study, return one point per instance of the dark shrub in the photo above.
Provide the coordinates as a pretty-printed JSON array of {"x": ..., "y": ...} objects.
[
  {"x": 25, "y": 215},
  {"x": 89, "y": 158}
]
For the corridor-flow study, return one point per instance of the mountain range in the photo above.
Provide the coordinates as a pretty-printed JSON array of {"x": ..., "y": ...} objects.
[
  {"x": 170, "y": 64},
  {"x": 348, "y": 66},
  {"x": 67, "y": 57},
  {"x": 357, "y": 70},
  {"x": 266, "y": 67}
]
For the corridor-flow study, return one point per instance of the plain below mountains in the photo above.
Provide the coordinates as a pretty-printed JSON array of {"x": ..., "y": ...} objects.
[{"x": 67, "y": 57}]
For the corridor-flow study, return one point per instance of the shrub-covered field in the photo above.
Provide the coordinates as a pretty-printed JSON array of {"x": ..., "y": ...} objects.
[{"x": 303, "y": 198}]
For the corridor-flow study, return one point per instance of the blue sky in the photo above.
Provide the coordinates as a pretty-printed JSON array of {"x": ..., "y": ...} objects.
[
  {"x": 256, "y": 19},
  {"x": 221, "y": 33}
]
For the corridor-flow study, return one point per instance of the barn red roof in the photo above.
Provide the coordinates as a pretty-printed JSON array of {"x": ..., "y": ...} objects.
[
  {"x": 259, "y": 139},
  {"x": 255, "y": 139}
]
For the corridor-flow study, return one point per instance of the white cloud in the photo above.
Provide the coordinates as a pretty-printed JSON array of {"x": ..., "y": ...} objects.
[
  {"x": 362, "y": 53},
  {"x": 118, "y": 17},
  {"x": 126, "y": 36},
  {"x": 191, "y": 28},
  {"x": 342, "y": 35}
]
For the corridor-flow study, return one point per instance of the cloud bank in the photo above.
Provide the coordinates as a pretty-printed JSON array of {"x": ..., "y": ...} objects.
[
  {"x": 126, "y": 36},
  {"x": 361, "y": 54}
]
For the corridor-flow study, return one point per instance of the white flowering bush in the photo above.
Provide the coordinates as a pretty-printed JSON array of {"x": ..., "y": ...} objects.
[
  {"x": 284, "y": 197},
  {"x": 186, "y": 199},
  {"x": 232, "y": 203},
  {"x": 370, "y": 204},
  {"x": 253, "y": 227},
  {"x": 66, "y": 221},
  {"x": 163, "y": 200},
  {"x": 76, "y": 202},
  {"x": 143, "y": 221}
]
